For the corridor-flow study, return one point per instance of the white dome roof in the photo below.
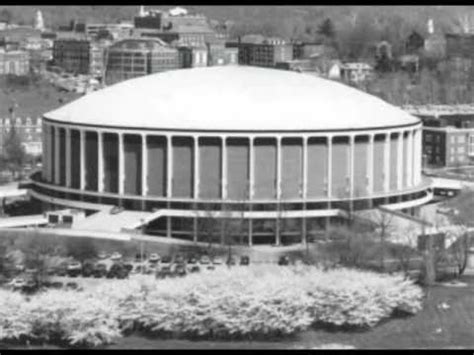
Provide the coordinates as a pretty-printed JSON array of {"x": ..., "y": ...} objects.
[{"x": 232, "y": 98}]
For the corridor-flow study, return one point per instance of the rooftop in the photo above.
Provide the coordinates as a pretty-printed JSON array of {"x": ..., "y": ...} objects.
[
  {"x": 436, "y": 110},
  {"x": 232, "y": 98}
]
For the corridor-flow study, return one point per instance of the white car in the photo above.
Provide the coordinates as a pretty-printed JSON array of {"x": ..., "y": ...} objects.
[
  {"x": 154, "y": 257},
  {"x": 116, "y": 256},
  {"x": 102, "y": 255},
  {"x": 217, "y": 261},
  {"x": 17, "y": 283},
  {"x": 74, "y": 265}
]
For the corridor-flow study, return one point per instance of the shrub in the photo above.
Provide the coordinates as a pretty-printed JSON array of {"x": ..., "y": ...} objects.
[{"x": 235, "y": 303}]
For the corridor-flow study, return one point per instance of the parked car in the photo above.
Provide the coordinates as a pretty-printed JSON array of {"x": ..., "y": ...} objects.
[
  {"x": 179, "y": 259},
  {"x": 194, "y": 268},
  {"x": 72, "y": 285},
  {"x": 128, "y": 267},
  {"x": 116, "y": 256},
  {"x": 114, "y": 271},
  {"x": 100, "y": 270},
  {"x": 166, "y": 260},
  {"x": 17, "y": 283},
  {"x": 74, "y": 269},
  {"x": 180, "y": 270},
  {"x": 217, "y": 261},
  {"x": 154, "y": 258},
  {"x": 192, "y": 259},
  {"x": 102, "y": 255},
  {"x": 284, "y": 260},
  {"x": 151, "y": 268},
  {"x": 61, "y": 269},
  {"x": 87, "y": 269},
  {"x": 231, "y": 261},
  {"x": 163, "y": 271},
  {"x": 204, "y": 260},
  {"x": 244, "y": 260},
  {"x": 56, "y": 285},
  {"x": 30, "y": 285}
]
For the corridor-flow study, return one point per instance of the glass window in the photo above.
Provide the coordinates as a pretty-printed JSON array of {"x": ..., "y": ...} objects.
[{"x": 471, "y": 145}]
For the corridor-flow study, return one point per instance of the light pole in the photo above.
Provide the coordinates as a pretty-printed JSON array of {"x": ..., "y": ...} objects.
[{"x": 142, "y": 228}]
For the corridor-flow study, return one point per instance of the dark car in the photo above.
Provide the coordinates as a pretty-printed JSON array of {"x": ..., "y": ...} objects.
[
  {"x": 61, "y": 270},
  {"x": 194, "y": 268},
  {"x": 180, "y": 270},
  {"x": 87, "y": 269},
  {"x": 74, "y": 269},
  {"x": 244, "y": 260},
  {"x": 100, "y": 270},
  {"x": 284, "y": 260},
  {"x": 164, "y": 271},
  {"x": 128, "y": 267},
  {"x": 179, "y": 259},
  {"x": 56, "y": 285},
  {"x": 115, "y": 271},
  {"x": 72, "y": 285},
  {"x": 192, "y": 259}
]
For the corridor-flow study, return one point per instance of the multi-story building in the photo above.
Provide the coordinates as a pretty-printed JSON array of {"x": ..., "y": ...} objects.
[
  {"x": 356, "y": 73},
  {"x": 176, "y": 25},
  {"x": 14, "y": 62},
  {"x": 193, "y": 56},
  {"x": 459, "y": 45},
  {"x": 448, "y": 134},
  {"x": 264, "y": 54},
  {"x": 79, "y": 56},
  {"x": 132, "y": 58},
  {"x": 218, "y": 54},
  {"x": 162, "y": 149},
  {"x": 28, "y": 129}
]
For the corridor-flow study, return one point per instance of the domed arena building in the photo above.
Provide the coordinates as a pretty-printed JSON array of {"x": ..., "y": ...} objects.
[{"x": 279, "y": 154}]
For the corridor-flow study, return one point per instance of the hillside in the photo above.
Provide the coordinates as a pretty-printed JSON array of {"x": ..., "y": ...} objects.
[{"x": 357, "y": 28}]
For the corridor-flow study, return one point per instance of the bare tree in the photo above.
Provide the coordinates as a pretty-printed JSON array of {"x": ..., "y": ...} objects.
[{"x": 383, "y": 222}]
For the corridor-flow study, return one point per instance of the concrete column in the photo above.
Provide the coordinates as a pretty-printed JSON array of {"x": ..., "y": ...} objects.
[
  {"x": 169, "y": 166},
  {"x": 329, "y": 176},
  {"x": 400, "y": 162},
  {"x": 351, "y": 165},
  {"x": 83, "y": 159},
  {"x": 144, "y": 166},
  {"x": 57, "y": 150},
  {"x": 304, "y": 183},
  {"x": 121, "y": 164},
  {"x": 278, "y": 169},
  {"x": 46, "y": 136},
  {"x": 386, "y": 169},
  {"x": 100, "y": 161},
  {"x": 196, "y": 167},
  {"x": 251, "y": 168},
  {"x": 409, "y": 163},
  {"x": 68, "y": 157},
  {"x": 224, "y": 168},
  {"x": 278, "y": 191},
  {"x": 304, "y": 187},
  {"x": 416, "y": 156},
  {"x": 370, "y": 165}
]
